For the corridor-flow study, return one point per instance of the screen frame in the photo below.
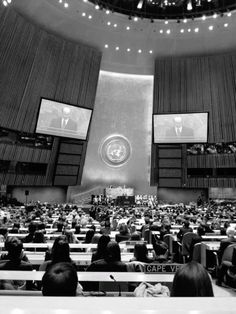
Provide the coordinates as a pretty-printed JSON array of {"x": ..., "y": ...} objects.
[
  {"x": 66, "y": 104},
  {"x": 182, "y": 114}
]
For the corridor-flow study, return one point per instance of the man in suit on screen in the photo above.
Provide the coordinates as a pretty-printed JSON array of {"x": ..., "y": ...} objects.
[
  {"x": 179, "y": 130},
  {"x": 64, "y": 122}
]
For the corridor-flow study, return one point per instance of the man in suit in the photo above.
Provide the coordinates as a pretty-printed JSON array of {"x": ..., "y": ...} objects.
[
  {"x": 64, "y": 122},
  {"x": 178, "y": 130}
]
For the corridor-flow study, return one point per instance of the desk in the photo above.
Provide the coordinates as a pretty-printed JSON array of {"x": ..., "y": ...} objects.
[
  {"x": 116, "y": 305},
  {"x": 213, "y": 237}
]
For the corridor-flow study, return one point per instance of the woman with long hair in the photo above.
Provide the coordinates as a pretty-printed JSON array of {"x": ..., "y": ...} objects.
[{"x": 192, "y": 280}]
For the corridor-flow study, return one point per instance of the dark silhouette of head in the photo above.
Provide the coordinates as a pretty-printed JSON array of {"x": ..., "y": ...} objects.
[
  {"x": 60, "y": 280},
  {"x": 102, "y": 243},
  {"x": 123, "y": 229},
  {"x": 38, "y": 237},
  {"x": 61, "y": 250},
  {"x": 192, "y": 280},
  {"x": 113, "y": 252},
  {"x": 141, "y": 252},
  {"x": 14, "y": 247},
  {"x": 89, "y": 235}
]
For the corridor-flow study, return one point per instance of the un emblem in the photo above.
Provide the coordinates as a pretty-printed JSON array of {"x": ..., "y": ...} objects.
[{"x": 115, "y": 150}]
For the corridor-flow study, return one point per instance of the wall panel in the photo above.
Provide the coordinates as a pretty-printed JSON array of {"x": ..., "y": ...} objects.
[
  {"x": 35, "y": 64},
  {"x": 199, "y": 84}
]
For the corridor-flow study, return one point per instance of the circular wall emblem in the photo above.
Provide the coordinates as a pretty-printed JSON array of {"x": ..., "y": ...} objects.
[{"x": 115, "y": 150}]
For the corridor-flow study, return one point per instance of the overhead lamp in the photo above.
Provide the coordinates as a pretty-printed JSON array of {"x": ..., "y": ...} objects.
[
  {"x": 135, "y": 18},
  {"x": 204, "y": 17},
  {"x": 189, "y": 5},
  {"x": 140, "y": 4},
  {"x": 229, "y": 14},
  {"x": 215, "y": 15}
]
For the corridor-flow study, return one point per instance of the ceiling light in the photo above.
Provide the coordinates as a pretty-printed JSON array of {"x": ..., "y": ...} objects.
[
  {"x": 168, "y": 31},
  {"x": 135, "y": 18},
  {"x": 229, "y": 14},
  {"x": 5, "y": 3},
  {"x": 226, "y": 25},
  {"x": 161, "y": 31},
  {"x": 85, "y": 0},
  {"x": 66, "y": 5},
  {"x": 189, "y": 5},
  {"x": 128, "y": 28},
  {"x": 185, "y": 20},
  {"x": 204, "y": 17},
  {"x": 189, "y": 30},
  {"x": 128, "y": 49},
  {"x": 215, "y": 15},
  {"x": 196, "y": 30},
  {"x": 140, "y": 4},
  {"x": 211, "y": 27},
  {"x": 107, "y": 11},
  {"x": 83, "y": 14},
  {"x": 115, "y": 25},
  {"x": 139, "y": 51},
  {"x": 150, "y": 51},
  {"x": 97, "y": 7},
  {"x": 90, "y": 17},
  {"x": 108, "y": 23},
  {"x": 117, "y": 48},
  {"x": 106, "y": 46},
  {"x": 182, "y": 30},
  {"x": 166, "y": 22}
]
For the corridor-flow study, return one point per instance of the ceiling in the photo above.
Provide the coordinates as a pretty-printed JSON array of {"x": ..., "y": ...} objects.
[
  {"x": 161, "y": 9},
  {"x": 130, "y": 46}
]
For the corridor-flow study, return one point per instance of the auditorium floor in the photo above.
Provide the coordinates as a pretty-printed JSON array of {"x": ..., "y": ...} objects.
[{"x": 222, "y": 291}]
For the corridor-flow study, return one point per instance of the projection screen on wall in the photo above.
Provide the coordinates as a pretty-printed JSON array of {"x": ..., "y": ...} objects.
[
  {"x": 64, "y": 120},
  {"x": 180, "y": 128}
]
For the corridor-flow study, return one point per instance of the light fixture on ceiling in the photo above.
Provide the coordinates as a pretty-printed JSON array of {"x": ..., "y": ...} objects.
[
  {"x": 189, "y": 5},
  {"x": 140, "y": 4},
  {"x": 6, "y": 2}
]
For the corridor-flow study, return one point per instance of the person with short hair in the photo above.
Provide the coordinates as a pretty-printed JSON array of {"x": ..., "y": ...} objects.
[
  {"x": 192, "y": 280},
  {"x": 60, "y": 280}
]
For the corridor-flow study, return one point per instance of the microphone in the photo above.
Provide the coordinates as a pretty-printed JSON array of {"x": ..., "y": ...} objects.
[{"x": 112, "y": 277}]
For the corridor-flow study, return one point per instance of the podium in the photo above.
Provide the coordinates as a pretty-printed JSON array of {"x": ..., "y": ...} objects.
[{"x": 125, "y": 200}]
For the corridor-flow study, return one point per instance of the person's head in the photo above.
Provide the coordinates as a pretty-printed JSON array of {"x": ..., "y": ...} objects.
[
  {"x": 135, "y": 236},
  {"x": 230, "y": 231},
  {"x": 61, "y": 250},
  {"x": 140, "y": 252},
  {"x": 38, "y": 237},
  {"x": 123, "y": 229},
  {"x": 89, "y": 235},
  {"x": 77, "y": 229},
  {"x": 32, "y": 227},
  {"x": 186, "y": 224},
  {"x": 60, "y": 280},
  {"x": 113, "y": 252},
  {"x": 102, "y": 243},
  {"x": 60, "y": 226},
  {"x": 66, "y": 112},
  {"x": 14, "y": 247},
  {"x": 178, "y": 121},
  {"x": 192, "y": 280},
  {"x": 160, "y": 249}
]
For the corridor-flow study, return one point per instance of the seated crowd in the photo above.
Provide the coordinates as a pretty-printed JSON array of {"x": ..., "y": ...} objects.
[{"x": 138, "y": 225}]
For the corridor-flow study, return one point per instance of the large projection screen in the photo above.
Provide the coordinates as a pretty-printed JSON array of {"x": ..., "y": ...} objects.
[
  {"x": 64, "y": 120},
  {"x": 180, "y": 128}
]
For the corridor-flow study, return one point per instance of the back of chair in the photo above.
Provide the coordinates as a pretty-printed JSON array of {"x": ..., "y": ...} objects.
[
  {"x": 168, "y": 239},
  {"x": 186, "y": 242},
  {"x": 228, "y": 253},
  {"x": 197, "y": 252}
]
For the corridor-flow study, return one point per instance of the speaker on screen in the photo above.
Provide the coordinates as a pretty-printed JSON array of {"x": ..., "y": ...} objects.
[
  {"x": 64, "y": 120},
  {"x": 180, "y": 128}
]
